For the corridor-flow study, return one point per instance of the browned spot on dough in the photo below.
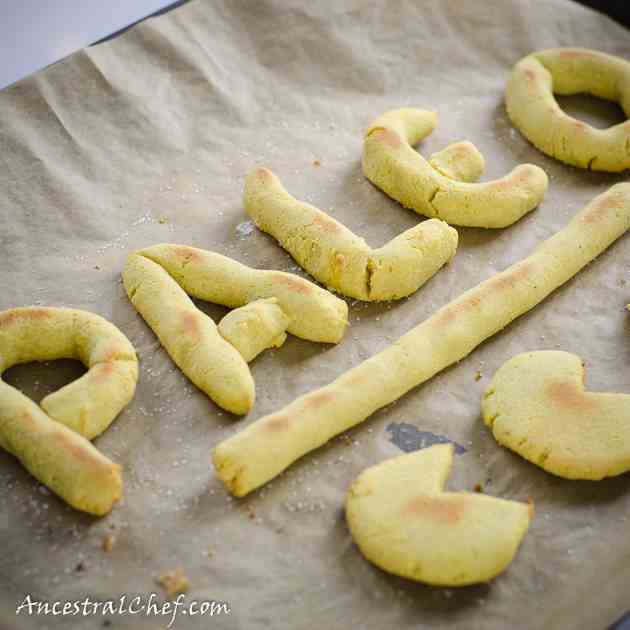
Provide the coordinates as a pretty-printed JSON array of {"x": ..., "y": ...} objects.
[
  {"x": 294, "y": 283},
  {"x": 326, "y": 223},
  {"x": 574, "y": 54},
  {"x": 102, "y": 372},
  {"x": 451, "y": 312},
  {"x": 569, "y": 396},
  {"x": 27, "y": 419},
  {"x": 501, "y": 282},
  {"x": 277, "y": 424},
  {"x": 264, "y": 174},
  {"x": 24, "y": 314},
  {"x": 463, "y": 150},
  {"x": 445, "y": 509},
  {"x": 601, "y": 208},
  {"x": 187, "y": 253},
  {"x": 319, "y": 399},
  {"x": 508, "y": 279},
  {"x": 191, "y": 324},
  {"x": 356, "y": 378},
  {"x": 388, "y": 137},
  {"x": 74, "y": 447},
  {"x": 531, "y": 81},
  {"x": 113, "y": 351}
]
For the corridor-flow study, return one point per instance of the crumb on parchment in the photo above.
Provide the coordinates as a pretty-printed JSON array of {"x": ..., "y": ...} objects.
[
  {"x": 107, "y": 544},
  {"x": 174, "y": 582}
]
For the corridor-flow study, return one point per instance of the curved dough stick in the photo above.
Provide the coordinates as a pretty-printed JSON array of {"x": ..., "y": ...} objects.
[
  {"x": 537, "y": 406},
  {"x": 405, "y": 523},
  {"x": 51, "y": 441},
  {"x": 255, "y": 327},
  {"x": 390, "y": 162},
  {"x": 269, "y": 445},
  {"x": 157, "y": 280},
  {"x": 338, "y": 258},
  {"x": 537, "y": 115}
]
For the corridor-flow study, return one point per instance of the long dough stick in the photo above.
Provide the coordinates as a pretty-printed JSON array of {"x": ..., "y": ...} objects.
[{"x": 268, "y": 446}]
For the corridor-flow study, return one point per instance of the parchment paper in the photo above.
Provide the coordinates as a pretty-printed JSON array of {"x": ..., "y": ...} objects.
[{"x": 147, "y": 139}]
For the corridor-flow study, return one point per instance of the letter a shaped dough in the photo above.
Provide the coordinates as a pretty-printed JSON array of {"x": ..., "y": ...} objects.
[{"x": 51, "y": 440}]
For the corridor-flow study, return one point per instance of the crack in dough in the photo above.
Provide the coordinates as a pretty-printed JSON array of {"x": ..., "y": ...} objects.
[
  {"x": 443, "y": 186},
  {"x": 340, "y": 259},
  {"x": 536, "y": 114}
]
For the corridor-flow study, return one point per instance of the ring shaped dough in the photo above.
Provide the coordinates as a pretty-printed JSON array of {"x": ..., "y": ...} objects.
[
  {"x": 338, "y": 258},
  {"x": 391, "y": 164},
  {"x": 537, "y": 115},
  {"x": 158, "y": 281},
  {"x": 537, "y": 406},
  {"x": 404, "y": 522},
  {"x": 268, "y": 446},
  {"x": 51, "y": 440}
]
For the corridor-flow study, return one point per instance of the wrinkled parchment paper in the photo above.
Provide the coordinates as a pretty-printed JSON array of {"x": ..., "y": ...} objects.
[{"x": 147, "y": 139}]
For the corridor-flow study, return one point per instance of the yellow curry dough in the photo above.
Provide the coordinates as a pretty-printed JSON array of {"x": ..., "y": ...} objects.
[
  {"x": 537, "y": 115},
  {"x": 51, "y": 440},
  {"x": 269, "y": 445},
  {"x": 255, "y": 327},
  {"x": 158, "y": 280},
  {"x": 404, "y": 522},
  {"x": 338, "y": 258},
  {"x": 537, "y": 406},
  {"x": 391, "y": 164}
]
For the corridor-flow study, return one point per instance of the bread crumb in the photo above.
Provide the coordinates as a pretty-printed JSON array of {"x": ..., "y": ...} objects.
[
  {"x": 162, "y": 220},
  {"x": 478, "y": 487},
  {"x": 316, "y": 163},
  {"x": 173, "y": 582},
  {"x": 96, "y": 267},
  {"x": 107, "y": 544},
  {"x": 478, "y": 375}
]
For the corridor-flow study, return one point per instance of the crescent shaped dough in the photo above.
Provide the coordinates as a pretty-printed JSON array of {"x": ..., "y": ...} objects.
[
  {"x": 537, "y": 406},
  {"x": 536, "y": 114},
  {"x": 159, "y": 279},
  {"x": 269, "y": 445},
  {"x": 338, "y": 258},
  {"x": 51, "y": 440},
  {"x": 391, "y": 164},
  {"x": 404, "y": 522}
]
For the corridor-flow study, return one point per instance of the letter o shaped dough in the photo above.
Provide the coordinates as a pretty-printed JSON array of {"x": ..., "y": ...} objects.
[
  {"x": 51, "y": 440},
  {"x": 536, "y": 114}
]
